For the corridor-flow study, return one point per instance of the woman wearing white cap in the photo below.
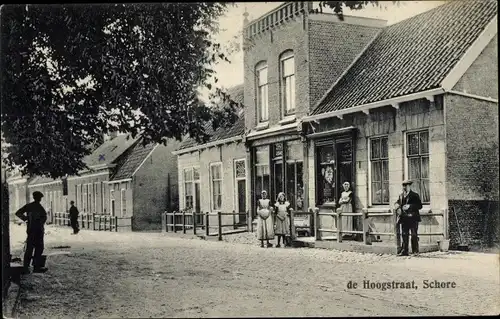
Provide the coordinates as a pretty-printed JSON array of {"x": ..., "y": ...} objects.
[{"x": 265, "y": 225}]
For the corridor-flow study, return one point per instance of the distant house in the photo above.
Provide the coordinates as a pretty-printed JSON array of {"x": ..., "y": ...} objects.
[
  {"x": 213, "y": 176},
  {"x": 126, "y": 179}
]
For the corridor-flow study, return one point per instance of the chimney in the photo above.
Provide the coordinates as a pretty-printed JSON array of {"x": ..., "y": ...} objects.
[{"x": 245, "y": 17}]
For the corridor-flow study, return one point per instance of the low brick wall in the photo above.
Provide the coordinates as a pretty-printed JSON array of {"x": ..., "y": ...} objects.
[{"x": 478, "y": 222}]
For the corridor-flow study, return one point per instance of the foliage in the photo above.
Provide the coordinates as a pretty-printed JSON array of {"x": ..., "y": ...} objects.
[
  {"x": 76, "y": 72},
  {"x": 338, "y": 6}
]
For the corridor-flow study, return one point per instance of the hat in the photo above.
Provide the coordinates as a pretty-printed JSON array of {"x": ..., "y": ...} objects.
[
  {"x": 37, "y": 194},
  {"x": 407, "y": 182}
]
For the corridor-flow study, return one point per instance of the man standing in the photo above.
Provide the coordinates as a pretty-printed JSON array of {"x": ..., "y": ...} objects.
[
  {"x": 35, "y": 216},
  {"x": 73, "y": 217},
  {"x": 409, "y": 203}
]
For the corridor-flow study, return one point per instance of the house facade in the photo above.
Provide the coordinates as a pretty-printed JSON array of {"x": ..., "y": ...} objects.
[
  {"x": 328, "y": 101},
  {"x": 126, "y": 179},
  {"x": 213, "y": 177}
]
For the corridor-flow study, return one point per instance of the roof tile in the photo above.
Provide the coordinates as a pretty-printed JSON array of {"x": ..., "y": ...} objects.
[{"x": 411, "y": 56}]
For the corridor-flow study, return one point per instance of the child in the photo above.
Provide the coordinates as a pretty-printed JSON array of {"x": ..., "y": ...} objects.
[
  {"x": 282, "y": 224},
  {"x": 265, "y": 229}
]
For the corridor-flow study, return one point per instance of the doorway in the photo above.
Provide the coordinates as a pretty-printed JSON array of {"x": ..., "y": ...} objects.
[{"x": 241, "y": 187}]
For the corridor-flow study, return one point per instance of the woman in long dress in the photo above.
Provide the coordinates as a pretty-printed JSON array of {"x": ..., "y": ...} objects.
[
  {"x": 345, "y": 203},
  {"x": 282, "y": 223},
  {"x": 265, "y": 226}
]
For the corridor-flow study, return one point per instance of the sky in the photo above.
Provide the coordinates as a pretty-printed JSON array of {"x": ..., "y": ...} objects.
[{"x": 230, "y": 74}]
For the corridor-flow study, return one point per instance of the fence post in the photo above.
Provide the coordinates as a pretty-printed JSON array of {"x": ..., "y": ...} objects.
[
  {"x": 219, "y": 218},
  {"x": 339, "y": 227},
  {"x": 194, "y": 222},
  {"x": 249, "y": 222},
  {"x": 174, "y": 222},
  {"x": 317, "y": 233},
  {"x": 164, "y": 222},
  {"x": 207, "y": 225},
  {"x": 234, "y": 220},
  {"x": 396, "y": 229},
  {"x": 366, "y": 229},
  {"x": 183, "y": 221}
]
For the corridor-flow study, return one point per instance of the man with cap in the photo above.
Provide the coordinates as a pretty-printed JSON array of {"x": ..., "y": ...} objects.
[
  {"x": 35, "y": 217},
  {"x": 409, "y": 205}
]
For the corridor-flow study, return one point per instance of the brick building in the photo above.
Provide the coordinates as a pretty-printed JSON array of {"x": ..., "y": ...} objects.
[
  {"x": 126, "y": 179},
  {"x": 373, "y": 105},
  {"x": 420, "y": 102}
]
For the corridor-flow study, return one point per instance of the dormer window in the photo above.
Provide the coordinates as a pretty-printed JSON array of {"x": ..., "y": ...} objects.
[
  {"x": 287, "y": 70},
  {"x": 262, "y": 92}
]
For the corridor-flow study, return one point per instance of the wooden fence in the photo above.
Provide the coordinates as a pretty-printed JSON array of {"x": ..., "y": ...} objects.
[
  {"x": 199, "y": 223},
  {"x": 99, "y": 222},
  {"x": 366, "y": 229}
]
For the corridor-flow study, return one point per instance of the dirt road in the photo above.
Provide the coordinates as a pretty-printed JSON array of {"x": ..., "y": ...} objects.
[{"x": 150, "y": 275}]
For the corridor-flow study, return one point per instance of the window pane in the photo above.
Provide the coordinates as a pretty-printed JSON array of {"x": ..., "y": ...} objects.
[
  {"x": 414, "y": 168},
  {"x": 413, "y": 143},
  {"x": 299, "y": 199},
  {"x": 425, "y": 167},
  {"x": 196, "y": 173},
  {"x": 262, "y": 76},
  {"x": 188, "y": 174},
  {"x": 240, "y": 169},
  {"x": 292, "y": 93},
  {"x": 375, "y": 148},
  {"x": 278, "y": 149},
  {"x": 425, "y": 194},
  {"x": 376, "y": 171},
  {"x": 385, "y": 170},
  {"x": 288, "y": 67},
  {"x": 264, "y": 108},
  {"x": 326, "y": 154},
  {"x": 384, "y": 147},
  {"x": 290, "y": 183},
  {"x": 385, "y": 193},
  {"x": 262, "y": 155},
  {"x": 424, "y": 142},
  {"x": 287, "y": 94},
  {"x": 294, "y": 150},
  {"x": 376, "y": 193}
]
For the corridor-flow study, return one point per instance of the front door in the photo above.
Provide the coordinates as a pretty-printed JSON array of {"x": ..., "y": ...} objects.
[{"x": 242, "y": 202}]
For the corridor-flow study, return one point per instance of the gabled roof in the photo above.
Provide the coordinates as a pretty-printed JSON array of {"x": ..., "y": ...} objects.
[
  {"x": 236, "y": 94},
  {"x": 411, "y": 56},
  {"x": 109, "y": 151},
  {"x": 132, "y": 160}
]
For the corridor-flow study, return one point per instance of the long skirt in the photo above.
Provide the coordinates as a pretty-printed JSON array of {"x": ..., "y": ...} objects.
[
  {"x": 265, "y": 228},
  {"x": 347, "y": 221},
  {"x": 282, "y": 227}
]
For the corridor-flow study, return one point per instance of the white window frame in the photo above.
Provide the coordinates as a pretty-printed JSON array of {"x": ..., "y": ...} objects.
[
  {"x": 221, "y": 180},
  {"x": 369, "y": 148},
  {"x": 123, "y": 195},
  {"x": 259, "y": 68},
  {"x": 286, "y": 111},
  {"x": 405, "y": 156},
  {"x": 192, "y": 182},
  {"x": 95, "y": 196}
]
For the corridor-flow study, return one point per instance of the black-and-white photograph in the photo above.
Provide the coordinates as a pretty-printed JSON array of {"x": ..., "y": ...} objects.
[{"x": 250, "y": 159}]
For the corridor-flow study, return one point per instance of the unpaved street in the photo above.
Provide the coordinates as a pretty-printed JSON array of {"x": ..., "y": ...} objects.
[{"x": 151, "y": 275}]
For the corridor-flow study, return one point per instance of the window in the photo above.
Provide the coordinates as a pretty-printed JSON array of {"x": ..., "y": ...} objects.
[
  {"x": 123, "y": 205},
  {"x": 188, "y": 188},
  {"x": 76, "y": 196},
  {"x": 417, "y": 153},
  {"x": 84, "y": 198},
  {"x": 262, "y": 92},
  {"x": 112, "y": 202},
  {"x": 102, "y": 198},
  {"x": 379, "y": 166},
  {"x": 96, "y": 196},
  {"x": 287, "y": 68},
  {"x": 216, "y": 178}
]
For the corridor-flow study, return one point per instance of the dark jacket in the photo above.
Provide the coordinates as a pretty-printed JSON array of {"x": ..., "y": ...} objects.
[
  {"x": 34, "y": 215},
  {"x": 412, "y": 199},
  {"x": 73, "y": 212}
]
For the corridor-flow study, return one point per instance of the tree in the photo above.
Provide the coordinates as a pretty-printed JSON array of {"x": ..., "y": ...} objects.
[{"x": 75, "y": 72}]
